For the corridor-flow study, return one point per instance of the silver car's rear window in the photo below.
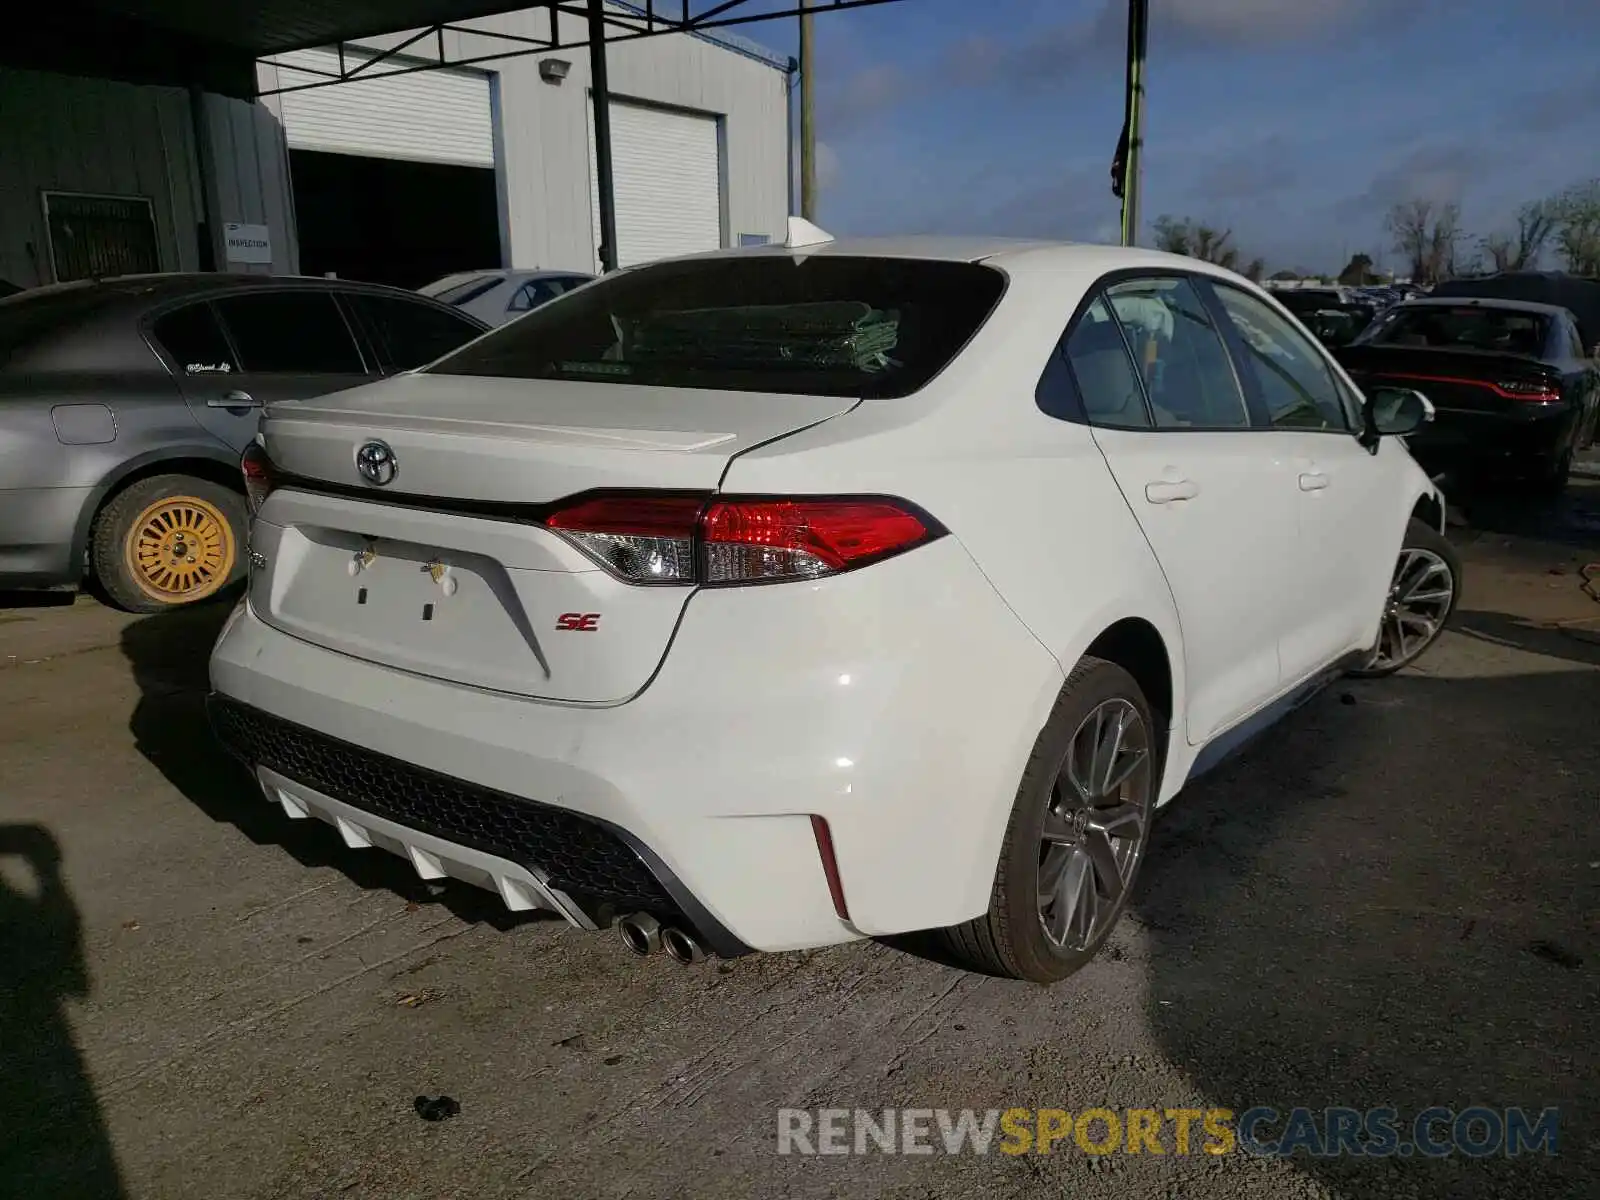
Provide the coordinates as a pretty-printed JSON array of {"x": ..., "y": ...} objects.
[
  {"x": 31, "y": 318},
  {"x": 830, "y": 325}
]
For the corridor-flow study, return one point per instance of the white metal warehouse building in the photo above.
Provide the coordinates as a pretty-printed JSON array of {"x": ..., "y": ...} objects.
[{"x": 397, "y": 179}]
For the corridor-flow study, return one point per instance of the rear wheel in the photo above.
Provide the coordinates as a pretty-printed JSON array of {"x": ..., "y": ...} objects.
[
  {"x": 168, "y": 541},
  {"x": 1077, "y": 835},
  {"x": 1422, "y": 598}
]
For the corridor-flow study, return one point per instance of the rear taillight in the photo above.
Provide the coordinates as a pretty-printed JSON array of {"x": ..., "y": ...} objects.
[
  {"x": 664, "y": 538},
  {"x": 259, "y": 476},
  {"x": 748, "y": 541},
  {"x": 1531, "y": 392},
  {"x": 642, "y": 539}
]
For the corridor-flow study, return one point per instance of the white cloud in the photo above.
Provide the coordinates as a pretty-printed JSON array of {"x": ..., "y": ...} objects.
[{"x": 827, "y": 166}]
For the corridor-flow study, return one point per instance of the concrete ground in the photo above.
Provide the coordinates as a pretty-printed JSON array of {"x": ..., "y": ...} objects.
[{"x": 1392, "y": 900}]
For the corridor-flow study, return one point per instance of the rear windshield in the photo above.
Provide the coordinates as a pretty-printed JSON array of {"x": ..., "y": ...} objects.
[
  {"x": 821, "y": 325},
  {"x": 458, "y": 289},
  {"x": 30, "y": 317},
  {"x": 1475, "y": 327}
]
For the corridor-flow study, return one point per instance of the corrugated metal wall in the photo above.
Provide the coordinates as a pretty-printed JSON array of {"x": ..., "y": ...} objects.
[
  {"x": 59, "y": 133},
  {"x": 543, "y": 139},
  {"x": 250, "y": 164},
  {"x": 64, "y": 133}
]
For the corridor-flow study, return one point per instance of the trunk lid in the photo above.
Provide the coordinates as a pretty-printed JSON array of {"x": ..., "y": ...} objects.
[
  {"x": 1455, "y": 380},
  {"x": 445, "y": 570}
]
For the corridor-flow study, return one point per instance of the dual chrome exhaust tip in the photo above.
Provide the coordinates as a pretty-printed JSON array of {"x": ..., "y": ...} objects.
[{"x": 644, "y": 935}]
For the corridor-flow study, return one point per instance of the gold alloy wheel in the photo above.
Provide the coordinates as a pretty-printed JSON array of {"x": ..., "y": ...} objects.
[{"x": 179, "y": 549}]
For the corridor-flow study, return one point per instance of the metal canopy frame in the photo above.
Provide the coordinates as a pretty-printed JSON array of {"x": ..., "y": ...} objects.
[
  {"x": 634, "y": 22},
  {"x": 603, "y": 25}
]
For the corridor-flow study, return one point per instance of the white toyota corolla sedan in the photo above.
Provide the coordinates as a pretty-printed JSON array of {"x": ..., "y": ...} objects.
[{"x": 780, "y": 597}]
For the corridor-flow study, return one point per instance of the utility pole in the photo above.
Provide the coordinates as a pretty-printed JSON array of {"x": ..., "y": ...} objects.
[
  {"x": 808, "y": 128},
  {"x": 1133, "y": 127},
  {"x": 600, "y": 92}
]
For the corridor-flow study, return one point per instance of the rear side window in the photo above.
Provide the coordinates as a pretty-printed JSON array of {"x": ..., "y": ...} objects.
[
  {"x": 409, "y": 334},
  {"x": 1179, "y": 354},
  {"x": 818, "y": 325},
  {"x": 296, "y": 333},
  {"x": 194, "y": 341},
  {"x": 1104, "y": 373}
]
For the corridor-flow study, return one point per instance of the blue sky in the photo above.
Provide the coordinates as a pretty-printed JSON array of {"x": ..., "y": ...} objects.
[{"x": 1296, "y": 123}]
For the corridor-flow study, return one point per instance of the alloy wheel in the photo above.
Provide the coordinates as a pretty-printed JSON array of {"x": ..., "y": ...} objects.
[
  {"x": 180, "y": 549},
  {"x": 1094, "y": 825},
  {"x": 1420, "y": 598}
]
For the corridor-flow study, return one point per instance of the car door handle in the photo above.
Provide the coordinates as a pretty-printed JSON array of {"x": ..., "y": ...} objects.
[
  {"x": 1169, "y": 490},
  {"x": 1313, "y": 481},
  {"x": 233, "y": 399}
]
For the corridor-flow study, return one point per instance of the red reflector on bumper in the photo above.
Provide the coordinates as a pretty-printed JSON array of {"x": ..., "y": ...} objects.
[{"x": 830, "y": 865}]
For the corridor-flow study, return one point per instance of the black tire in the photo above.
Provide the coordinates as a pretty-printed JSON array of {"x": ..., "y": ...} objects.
[
  {"x": 1424, "y": 537},
  {"x": 113, "y": 556},
  {"x": 1010, "y": 939}
]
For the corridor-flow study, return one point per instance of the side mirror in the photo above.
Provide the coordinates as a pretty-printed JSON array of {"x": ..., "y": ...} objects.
[{"x": 1395, "y": 412}]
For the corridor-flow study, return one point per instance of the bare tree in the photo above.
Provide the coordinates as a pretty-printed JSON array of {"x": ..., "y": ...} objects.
[
  {"x": 1172, "y": 235},
  {"x": 1521, "y": 251},
  {"x": 1428, "y": 236},
  {"x": 1196, "y": 240},
  {"x": 1575, "y": 216},
  {"x": 1408, "y": 224}
]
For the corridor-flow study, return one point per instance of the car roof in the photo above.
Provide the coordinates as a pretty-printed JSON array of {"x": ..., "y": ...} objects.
[
  {"x": 1014, "y": 255},
  {"x": 154, "y": 288},
  {"x": 1527, "y": 306}
]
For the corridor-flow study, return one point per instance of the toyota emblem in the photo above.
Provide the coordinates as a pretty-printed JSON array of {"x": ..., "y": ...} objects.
[{"x": 377, "y": 463}]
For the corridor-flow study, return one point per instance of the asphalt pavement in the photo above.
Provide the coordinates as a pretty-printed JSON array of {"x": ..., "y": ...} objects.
[{"x": 1393, "y": 900}]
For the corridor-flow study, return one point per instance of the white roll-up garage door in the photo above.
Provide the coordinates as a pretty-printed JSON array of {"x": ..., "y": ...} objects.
[
  {"x": 426, "y": 116},
  {"x": 668, "y": 183}
]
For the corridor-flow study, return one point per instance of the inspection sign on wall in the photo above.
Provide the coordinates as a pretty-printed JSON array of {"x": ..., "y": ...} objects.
[{"x": 247, "y": 243}]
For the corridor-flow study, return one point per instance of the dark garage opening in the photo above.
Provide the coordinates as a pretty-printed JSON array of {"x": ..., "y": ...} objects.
[{"x": 384, "y": 220}]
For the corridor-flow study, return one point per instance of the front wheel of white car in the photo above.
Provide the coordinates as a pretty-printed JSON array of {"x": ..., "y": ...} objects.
[
  {"x": 1077, "y": 835},
  {"x": 1422, "y": 598}
]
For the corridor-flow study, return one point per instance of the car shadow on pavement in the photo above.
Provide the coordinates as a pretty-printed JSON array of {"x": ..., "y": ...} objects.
[
  {"x": 1576, "y": 641},
  {"x": 53, "y": 1140},
  {"x": 1395, "y": 902},
  {"x": 169, "y": 654}
]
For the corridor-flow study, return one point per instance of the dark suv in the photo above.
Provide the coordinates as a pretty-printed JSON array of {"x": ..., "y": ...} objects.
[{"x": 125, "y": 404}]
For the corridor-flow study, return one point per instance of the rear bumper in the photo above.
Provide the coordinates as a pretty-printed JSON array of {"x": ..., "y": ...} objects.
[
  {"x": 36, "y": 534},
  {"x": 899, "y": 703},
  {"x": 1461, "y": 440}
]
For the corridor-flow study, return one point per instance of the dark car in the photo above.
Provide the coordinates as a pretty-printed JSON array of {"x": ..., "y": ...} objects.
[
  {"x": 125, "y": 404},
  {"x": 1510, "y": 381},
  {"x": 1334, "y": 315}
]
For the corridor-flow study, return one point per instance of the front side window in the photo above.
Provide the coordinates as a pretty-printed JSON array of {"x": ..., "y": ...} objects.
[
  {"x": 294, "y": 333},
  {"x": 1179, "y": 355},
  {"x": 821, "y": 324},
  {"x": 1289, "y": 372},
  {"x": 411, "y": 334}
]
